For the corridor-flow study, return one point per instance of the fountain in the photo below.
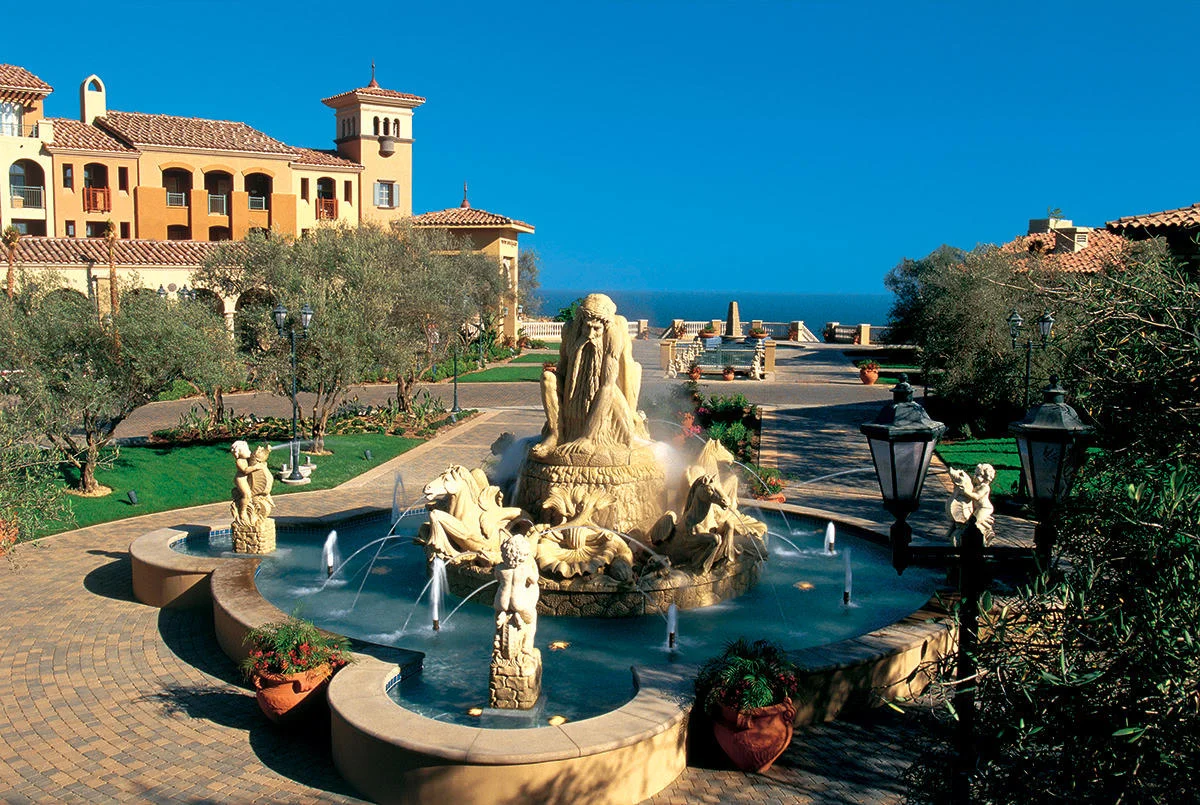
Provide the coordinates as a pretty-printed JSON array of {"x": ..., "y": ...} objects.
[
  {"x": 830, "y": 533},
  {"x": 609, "y": 535}
]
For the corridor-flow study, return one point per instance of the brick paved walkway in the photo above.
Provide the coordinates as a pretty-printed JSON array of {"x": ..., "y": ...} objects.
[{"x": 107, "y": 700}]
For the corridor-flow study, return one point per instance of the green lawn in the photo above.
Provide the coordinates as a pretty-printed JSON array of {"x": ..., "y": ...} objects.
[
  {"x": 506, "y": 373},
  {"x": 536, "y": 357},
  {"x": 1000, "y": 453},
  {"x": 176, "y": 477}
]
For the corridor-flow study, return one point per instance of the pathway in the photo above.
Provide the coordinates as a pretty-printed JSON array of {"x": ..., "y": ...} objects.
[{"x": 107, "y": 700}]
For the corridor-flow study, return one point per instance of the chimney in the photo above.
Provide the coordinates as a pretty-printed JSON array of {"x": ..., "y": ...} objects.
[
  {"x": 92, "y": 102},
  {"x": 1040, "y": 225},
  {"x": 1070, "y": 239}
]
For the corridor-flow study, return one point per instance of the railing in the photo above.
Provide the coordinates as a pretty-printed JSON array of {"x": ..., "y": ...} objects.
[
  {"x": 177, "y": 199},
  {"x": 552, "y": 330},
  {"x": 218, "y": 205},
  {"x": 11, "y": 128},
  {"x": 258, "y": 202},
  {"x": 327, "y": 209},
  {"x": 96, "y": 199},
  {"x": 30, "y": 197}
]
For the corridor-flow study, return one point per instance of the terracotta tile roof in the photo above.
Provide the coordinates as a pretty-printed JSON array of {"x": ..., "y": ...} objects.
[
  {"x": 322, "y": 157},
  {"x": 1103, "y": 249},
  {"x": 76, "y": 136},
  {"x": 468, "y": 217},
  {"x": 1181, "y": 217},
  {"x": 375, "y": 92},
  {"x": 78, "y": 251},
  {"x": 13, "y": 77},
  {"x": 190, "y": 132}
]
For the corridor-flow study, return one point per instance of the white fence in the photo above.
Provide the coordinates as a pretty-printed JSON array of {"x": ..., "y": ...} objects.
[{"x": 552, "y": 330}]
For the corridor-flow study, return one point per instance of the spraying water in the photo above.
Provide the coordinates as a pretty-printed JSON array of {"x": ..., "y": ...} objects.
[
  {"x": 830, "y": 537},
  {"x": 468, "y": 598},
  {"x": 849, "y": 579},
  {"x": 329, "y": 553},
  {"x": 398, "y": 490},
  {"x": 437, "y": 571},
  {"x": 672, "y": 625}
]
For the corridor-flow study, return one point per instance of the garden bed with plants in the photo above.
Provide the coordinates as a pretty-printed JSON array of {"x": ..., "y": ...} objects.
[{"x": 736, "y": 423}]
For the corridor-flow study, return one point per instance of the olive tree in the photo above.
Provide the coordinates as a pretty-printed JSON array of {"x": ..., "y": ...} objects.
[{"x": 79, "y": 376}]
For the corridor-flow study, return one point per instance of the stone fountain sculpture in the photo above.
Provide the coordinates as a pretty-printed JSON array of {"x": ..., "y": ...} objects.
[
  {"x": 972, "y": 501},
  {"x": 253, "y": 529},
  {"x": 592, "y": 500},
  {"x": 515, "y": 682}
]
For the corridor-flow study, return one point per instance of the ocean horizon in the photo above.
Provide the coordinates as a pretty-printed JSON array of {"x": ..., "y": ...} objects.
[{"x": 660, "y": 307}]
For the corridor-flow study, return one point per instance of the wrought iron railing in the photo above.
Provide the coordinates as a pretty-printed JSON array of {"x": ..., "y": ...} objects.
[
  {"x": 26, "y": 196},
  {"x": 177, "y": 199},
  {"x": 218, "y": 205},
  {"x": 258, "y": 202},
  {"x": 327, "y": 209}
]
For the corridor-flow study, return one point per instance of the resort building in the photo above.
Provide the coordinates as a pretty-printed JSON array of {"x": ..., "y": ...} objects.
[
  {"x": 162, "y": 178},
  {"x": 1063, "y": 246}
]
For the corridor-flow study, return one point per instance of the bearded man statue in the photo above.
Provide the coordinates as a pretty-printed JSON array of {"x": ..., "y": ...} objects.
[{"x": 591, "y": 400}]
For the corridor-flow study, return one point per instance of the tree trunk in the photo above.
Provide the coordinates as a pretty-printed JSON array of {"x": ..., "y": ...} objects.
[
  {"x": 87, "y": 472},
  {"x": 404, "y": 391},
  {"x": 216, "y": 412}
]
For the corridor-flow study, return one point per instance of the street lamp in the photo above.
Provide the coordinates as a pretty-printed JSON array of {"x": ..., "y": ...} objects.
[
  {"x": 902, "y": 439},
  {"x": 280, "y": 314},
  {"x": 1051, "y": 442},
  {"x": 1045, "y": 325},
  {"x": 454, "y": 354}
]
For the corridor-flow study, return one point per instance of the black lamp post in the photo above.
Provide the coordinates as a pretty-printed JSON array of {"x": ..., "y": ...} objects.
[
  {"x": 1045, "y": 326},
  {"x": 281, "y": 317},
  {"x": 1051, "y": 441},
  {"x": 902, "y": 439}
]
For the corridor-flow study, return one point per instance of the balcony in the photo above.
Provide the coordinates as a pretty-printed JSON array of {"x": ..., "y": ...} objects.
[
  {"x": 218, "y": 205},
  {"x": 258, "y": 202},
  {"x": 177, "y": 199},
  {"x": 11, "y": 128},
  {"x": 26, "y": 196},
  {"x": 97, "y": 199},
  {"x": 327, "y": 209}
]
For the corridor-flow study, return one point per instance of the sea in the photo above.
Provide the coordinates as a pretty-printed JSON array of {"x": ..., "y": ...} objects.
[{"x": 660, "y": 307}]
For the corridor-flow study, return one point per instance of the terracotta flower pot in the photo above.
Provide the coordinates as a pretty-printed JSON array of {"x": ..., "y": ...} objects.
[
  {"x": 868, "y": 376},
  {"x": 694, "y": 374},
  {"x": 727, "y": 374},
  {"x": 286, "y": 697},
  {"x": 775, "y": 497},
  {"x": 756, "y": 738}
]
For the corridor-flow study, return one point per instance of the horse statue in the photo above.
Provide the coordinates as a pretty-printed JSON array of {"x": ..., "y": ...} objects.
[
  {"x": 714, "y": 460},
  {"x": 467, "y": 517},
  {"x": 706, "y": 534}
]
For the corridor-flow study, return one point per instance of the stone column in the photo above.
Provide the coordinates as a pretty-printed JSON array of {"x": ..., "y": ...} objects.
[
  {"x": 733, "y": 322},
  {"x": 666, "y": 353}
]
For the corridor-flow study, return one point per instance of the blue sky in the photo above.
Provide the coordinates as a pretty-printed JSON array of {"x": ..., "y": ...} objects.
[{"x": 804, "y": 146}]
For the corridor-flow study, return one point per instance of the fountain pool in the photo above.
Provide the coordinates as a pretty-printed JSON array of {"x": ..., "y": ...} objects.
[{"x": 798, "y": 603}]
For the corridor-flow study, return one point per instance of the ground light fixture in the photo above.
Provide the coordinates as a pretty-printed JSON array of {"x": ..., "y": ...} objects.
[
  {"x": 1051, "y": 442},
  {"x": 280, "y": 314},
  {"x": 902, "y": 440}
]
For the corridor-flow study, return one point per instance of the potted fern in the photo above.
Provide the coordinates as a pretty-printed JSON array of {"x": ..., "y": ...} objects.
[
  {"x": 747, "y": 691},
  {"x": 289, "y": 663}
]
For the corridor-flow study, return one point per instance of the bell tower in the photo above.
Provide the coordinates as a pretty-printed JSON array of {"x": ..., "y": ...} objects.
[{"x": 374, "y": 127}]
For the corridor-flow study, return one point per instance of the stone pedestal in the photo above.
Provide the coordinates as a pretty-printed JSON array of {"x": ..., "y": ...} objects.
[
  {"x": 515, "y": 684},
  {"x": 631, "y": 476},
  {"x": 256, "y": 538}
]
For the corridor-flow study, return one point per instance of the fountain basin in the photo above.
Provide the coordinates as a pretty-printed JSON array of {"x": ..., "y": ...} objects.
[{"x": 393, "y": 753}]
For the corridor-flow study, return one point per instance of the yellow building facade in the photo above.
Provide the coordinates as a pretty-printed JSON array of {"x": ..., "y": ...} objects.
[{"x": 168, "y": 179}]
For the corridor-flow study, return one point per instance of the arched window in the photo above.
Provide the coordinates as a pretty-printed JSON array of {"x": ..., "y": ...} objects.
[
  {"x": 219, "y": 233},
  {"x": 396, "y": 126},
  {"x": 178, "y": 232},
  {"x": 258, "y": 187},
  {"x": 387, "y": 127},
  {"x": 377, "y": 126},
  {"x": 95, "y": 86},
  {"x": 11, "y": 115}
]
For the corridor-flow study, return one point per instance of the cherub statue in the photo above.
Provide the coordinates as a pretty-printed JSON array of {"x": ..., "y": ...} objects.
[
  {"x": 516, "y": 599},
  {"x": 251, "y": 484},
  {"x": 971, "y": 502}
]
